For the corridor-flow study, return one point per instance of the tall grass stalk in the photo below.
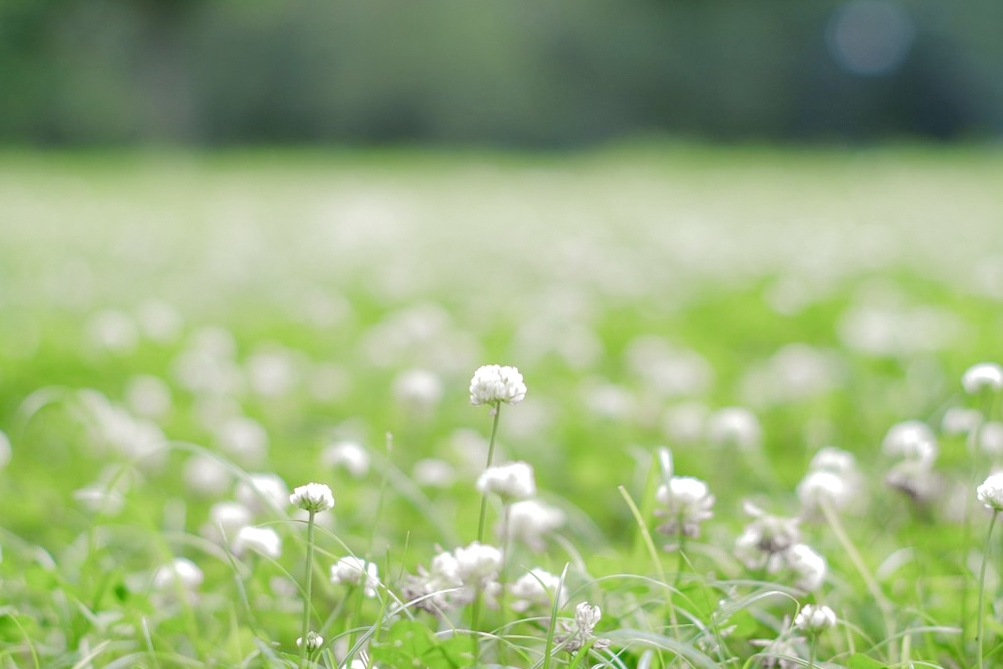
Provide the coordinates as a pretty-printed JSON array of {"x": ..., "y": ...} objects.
[
  {"x": 475, "y": 611},
  {"x": 979, "y": 640},
  {"x": 308, "y": 596}
]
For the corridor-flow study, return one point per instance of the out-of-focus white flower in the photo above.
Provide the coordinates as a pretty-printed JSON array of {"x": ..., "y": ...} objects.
[
  {"x": 225, "y": 521},
  {"x": 766, "y": 540},
  {"x": 911, "y": 439},
  {"x": 492, "y": 384},
  {"x": 535, "y": 589},
  {"x": 113, "y": 331},
  {"x": 312, "y": 497},
  {"x": 418, "y": 390},
  {"x": 477, "y": 561},
  {"x": 820, "y": 487},
  {"x": 456, "y": 578},
  {"x": 510, "y": 481},
  {"x": 991, "y": 438},
  {"x": 990, "y": 493},
  {"x": 685, "y": 423},
  {"x": 244, "y": 439},
  {"x": 179, "y": 572},
  {"x": 263, "y": 492},
  {"x": 983, "y": 376},
  {"x": 433, "y": 473},
  {"x": 99, "y": 499},
  {"x": 262, "y": 540},
  {"x": 206, "y": 475},
  {"x": 272, "y": 373},
  {"x": 351, "y": 570},
  {"x": 531, "y": 520},
  {"x": 313, "y": 641},
  {"x": 809, "y": 567},
  {"x": 149, "y": 396},
  {"x": 688, "y": 502},
  {"x": 834, "y": 460},
  {"x": 159, "y": 321},
  {"x": 582, "y": 631},
  {"x": 735, "y": 426},
  {"x": 348, "y": 454},
  {"x": 915, "y": 478},
  {"x": 813, "y": 620},
  {"x": 5, "y": 449},
  {"x": 960, "y": 420}
]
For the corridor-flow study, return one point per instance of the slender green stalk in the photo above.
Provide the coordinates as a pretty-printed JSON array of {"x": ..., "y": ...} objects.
[
  {"x": 979, "y": 641},
  {"x": 491, "y": 453},
  {"x": 814, "y": 651},
  {"x": 309, "y": 589}
]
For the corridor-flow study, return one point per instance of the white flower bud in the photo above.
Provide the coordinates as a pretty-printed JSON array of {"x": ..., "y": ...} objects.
[{"x": 813, "y": 620}]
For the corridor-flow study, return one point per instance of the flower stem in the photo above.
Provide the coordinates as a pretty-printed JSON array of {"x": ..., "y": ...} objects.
[
  {"x": 982, "y": 591},
  {"x": 491, "y": 453},
  {"x": 309, "y": 589},
  {"x": 814, "y": 651}
]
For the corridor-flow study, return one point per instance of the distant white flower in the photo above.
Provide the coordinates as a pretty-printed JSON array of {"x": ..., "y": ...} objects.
[
  {"x": 456, "y": 578},
  {"x": 351, "y": 570},
  {"x": 833, "y": 460},
  {"x": 262, "y": 540},
  {"x": 347, "y": 454},
  {"x": 244, "y": 439},
  {"x": 688, "y": 502},
  {"x": 477, "y": 561},
  {"x": 960, "y": 420},
  {"x": 433, "y": 473},
  {"x": 809, "y": 567},
  {"x": 531, "y": 520},
  {"x": 312, "y": 497},
  {"x": 911, "y": 439},
  {"x": 5, "y": 449},
  {"x": 206, "y": 475},
  {"x": 535, "y": 589},
  {"x": 492, "y": 384},
  {"x": 735, "y": 426},
  {"x": 813, "y": 620},
  {"x": 113, "y": 331},
  {"x": 225, "y": 521},
  {"x": 148, "y": 396},
  {"x": 820, "y": 487},
  {"x": 685, "y": 423},
  {"x": 263, "y": 492},
  {"x": 766, "y": 540},
  {"x": 180, "y": 572},
  {"x": 313, "y": 641},
  {"x": 983, "y": 376},
  {"x": 418, "y": 390},
  {"x": 509, "y": 481},
  {"x": 991, "y": 438},
  {"x": 915, "y": 478},
  {"x": 990, "y": 493}
]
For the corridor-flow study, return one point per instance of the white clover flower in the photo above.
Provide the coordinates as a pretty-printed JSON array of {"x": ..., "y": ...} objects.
[
  {"x": 492, "y": 384},
  {"x": 179, "y": 572},
  {"x": 313, "y": 641},
  {"x": 735, "y": 426},
  {"x": 535, "y": 589},
  {"x": 582, "y": 631},
  {"x": 813, "y": 620},
  {"x": 243, "y": 438},
  {"x": 456, "y": 578},
  {"x": 809, "y": 567},
  {"x": 833, "y": 460},
  {"x": 225, "y": 521},
  {"x": 990, "y": 493},
  {"x": 477, "y": 561},
  {"x": 263, "y": 492},
  {"x": 433, "y": 473},
  {"x": 418, "y": 390},
  {"x": 983, "y": 376},
  {"x": 347, "y": 454},
  {"x": 911, "y": 439},
  {"x": 688, "y": 503},
  {"x": 915, "y": 478},
  {"x": 820, "y": 487},
  {"x": 351, "y": 570},
  {"x": 765, "y": 541},
  {"x": 991, "y": 438},
  {"x": 312, "y": 497},
  {"x": 262, "y": 540},
  {"x": 509, "y": 481},
  {"x": 960, "y": 420},
  {"x": 206, "y": 475},
  {"x": 529, "y": 521}
]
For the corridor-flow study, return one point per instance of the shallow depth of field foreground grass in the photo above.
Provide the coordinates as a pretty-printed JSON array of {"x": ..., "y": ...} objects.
[{"x": 749, "y": 437}]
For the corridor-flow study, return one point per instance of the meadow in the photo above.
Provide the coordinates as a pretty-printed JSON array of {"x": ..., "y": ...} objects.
[{"x": 760, "y": 394}]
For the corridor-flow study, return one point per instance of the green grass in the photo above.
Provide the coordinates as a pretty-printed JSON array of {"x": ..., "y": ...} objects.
[{"x": 591, "y": 273}]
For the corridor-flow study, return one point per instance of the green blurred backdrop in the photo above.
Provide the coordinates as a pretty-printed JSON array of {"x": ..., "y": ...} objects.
[{"x": 497, "y": 72}]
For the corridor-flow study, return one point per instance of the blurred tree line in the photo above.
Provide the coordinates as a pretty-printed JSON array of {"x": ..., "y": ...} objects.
[{"x": 510, "y": 72}]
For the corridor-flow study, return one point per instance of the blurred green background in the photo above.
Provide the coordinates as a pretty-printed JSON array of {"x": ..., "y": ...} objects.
[{"x": 561, "y": 73}]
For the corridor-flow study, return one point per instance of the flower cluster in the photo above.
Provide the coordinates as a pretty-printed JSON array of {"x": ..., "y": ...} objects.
[
  {"x": 312, "y": 497},
  {"x": 990, "y": 493},
  {"x": 455, "y": 578},
  {"x": 493, "y": 384},
  {"x": 351, "y": 570},
  {"x": 813, "y": 619},
  {"x": 773, "y": 544},
  {"x": 688, "y": 502},
  {"x": 581, "y": 632},
  {"x": 510, "y": 481}
]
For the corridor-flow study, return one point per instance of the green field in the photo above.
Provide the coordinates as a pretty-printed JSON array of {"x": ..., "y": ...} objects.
[{"x": 173, "y": 323}]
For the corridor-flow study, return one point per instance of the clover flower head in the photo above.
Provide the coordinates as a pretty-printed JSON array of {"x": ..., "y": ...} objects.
[
  {"x": 313, "y": 641},
  {"x": 960, "y": 420},
  {"x": 809, "y": 567},
  {"x": 262, "y": 492},
  {"x": 262, "y": 540},
  {"x": 580, "y": 633},
  {"x": 354, "y": 571},
  {"x": 529, "y": 521},
  {"x": 492, "y": 384},
  {"x": 348, "y": 455},
  {"x": 455, "y": 578},
  {"x": 915, "y": 478},
  {"x": 833, "y": 460},
  {"x": 477, "y": 562},
  {"x": 813, "y": 619},
  {"x": 983, "y": 376},
  {"x": 312, "y": 497},
  {"x": 735, "y": 426},
  {"x": 765, "y": 540},
  {"x": 688, "y": 503},
  {"x": 823, "y": 487},
  {"x": 509, "y": 481},
  {"x": 534, "y": 589},
  {"x": 910, "y": 439},
  {"x": 181, "y": 572},
  {"x": 990, "y": 493}
]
